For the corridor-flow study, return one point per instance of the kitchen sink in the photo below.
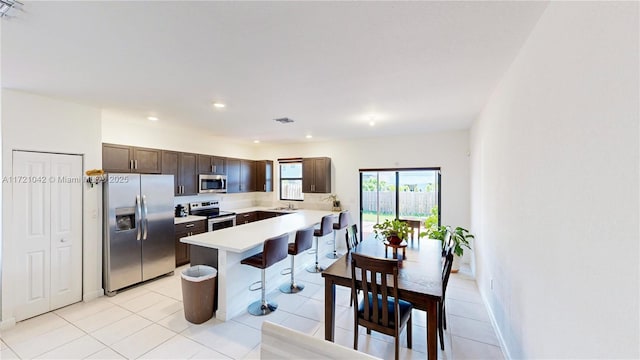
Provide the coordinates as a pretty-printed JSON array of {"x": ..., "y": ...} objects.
[{"x": 282, "y": 208}]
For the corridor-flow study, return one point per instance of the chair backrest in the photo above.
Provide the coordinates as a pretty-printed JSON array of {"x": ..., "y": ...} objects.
[
  {"x": 447, "y": 244},
  {"x": 343, "y": 219},
  {"x": 304, "y": 240},
  {"x": 413, "y": 224},
  {"x": 374, "y": 274},
  {"x": 352, "y": 237},
  {"x": 275, "y": 249},
  {"x": 326, "y": 226},
  {"x": 446, "y": 272}
]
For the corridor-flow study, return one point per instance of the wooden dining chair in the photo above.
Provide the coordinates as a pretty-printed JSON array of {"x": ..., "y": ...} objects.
[
  {"x": 442, "y": 318},
  {"x": 352, "y": 237},
  {"x": 414, "y": 225},
  {"x": 352, "y": 241},
  {"x": 380, "y": 310}
]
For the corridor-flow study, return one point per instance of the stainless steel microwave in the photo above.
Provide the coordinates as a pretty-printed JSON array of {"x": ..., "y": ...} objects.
[{"x": 212, "y": 183}]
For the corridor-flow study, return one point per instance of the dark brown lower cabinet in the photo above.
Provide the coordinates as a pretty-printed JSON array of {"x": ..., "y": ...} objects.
[
  {"x": 246, "y": 218},
  {"x": 183, "y": 230}
]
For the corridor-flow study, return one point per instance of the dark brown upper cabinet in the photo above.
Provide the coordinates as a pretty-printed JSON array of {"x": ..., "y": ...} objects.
[
  {"x": 183, "y": 167},
  {"x": 240, "y": 175},
  {"x": 122, "y": 158},
  {"x": 233, "y": 175},
  {"x": 247, "y": 175},
  {"x": 211, "y": 165},
  {"x": 264, "y": 175},
  {"x": 316, "y": 175}
]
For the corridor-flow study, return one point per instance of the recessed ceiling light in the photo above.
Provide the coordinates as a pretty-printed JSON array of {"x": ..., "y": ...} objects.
[
  {"x": 256, "y": 141},
  {"x": 152, "y": 118},
  {"x": 308, "y": 136},
  {"x": 372, "y": 123},
  {"x": 219, "y": 105}
]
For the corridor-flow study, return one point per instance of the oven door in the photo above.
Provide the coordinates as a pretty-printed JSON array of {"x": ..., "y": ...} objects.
[
  {"x": 212, "y": 183},
  {"x": 222, "y": 222}
]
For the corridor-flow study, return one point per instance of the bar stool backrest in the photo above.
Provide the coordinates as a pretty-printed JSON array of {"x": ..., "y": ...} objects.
[
  {"x": 275, "y": 249},
  {"x": 326, "y": 226},
  {"x": 343, "y": 220},
  {"x": 304, "y": 240}
]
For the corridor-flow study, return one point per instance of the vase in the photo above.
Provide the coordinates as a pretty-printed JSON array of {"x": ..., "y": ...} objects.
[{"x": 394, "y": 239}]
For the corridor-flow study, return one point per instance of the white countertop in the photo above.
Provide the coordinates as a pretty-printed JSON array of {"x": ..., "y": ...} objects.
[
  {"x": 263, "y": 208},
  {"x": 241, "y": 238},
  {"x": 188, "y": 218}
]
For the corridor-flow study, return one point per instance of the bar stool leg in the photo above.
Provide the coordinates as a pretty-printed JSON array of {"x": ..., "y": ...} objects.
[
  {"x": 316, "y": 268},
  {"x": 262, "y": 306},
  {"x": 334, "y": 254},
  {"x": 292, "y": 287}
]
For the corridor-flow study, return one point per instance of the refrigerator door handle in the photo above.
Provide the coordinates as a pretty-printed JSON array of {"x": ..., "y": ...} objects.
[
  {"x": 139, "y": 215},
  {"x": 146, "y": 219}
]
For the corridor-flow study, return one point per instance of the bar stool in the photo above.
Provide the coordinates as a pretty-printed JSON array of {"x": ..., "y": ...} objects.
[
  {"x": 343, "y": 222},
  {"x": 325, "y": 229},
  {"x": 304, "y": 240},
  {"x": 273, "y": 250}
]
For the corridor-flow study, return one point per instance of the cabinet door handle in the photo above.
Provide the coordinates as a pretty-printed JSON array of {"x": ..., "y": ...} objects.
[
  {"x": 264, "y": 186},
  {"x": 245, "y": 215},
  {"x": 130, "y": 164},
  {"x": 135, "y": 162},
  {"x": 190, "y": 225},
  {"x": 214, "y": 168}
]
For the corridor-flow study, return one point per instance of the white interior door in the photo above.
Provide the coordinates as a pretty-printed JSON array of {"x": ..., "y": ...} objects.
[
  {"x": 66, "y": 230},
  {"x": 46, "y": 210}
]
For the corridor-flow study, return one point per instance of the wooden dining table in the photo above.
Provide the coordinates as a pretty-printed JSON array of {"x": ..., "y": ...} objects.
[{"x": 419, "y": 282}]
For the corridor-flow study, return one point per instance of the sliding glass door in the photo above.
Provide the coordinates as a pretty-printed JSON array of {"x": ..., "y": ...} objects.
[{"x": 399, "y": 193}]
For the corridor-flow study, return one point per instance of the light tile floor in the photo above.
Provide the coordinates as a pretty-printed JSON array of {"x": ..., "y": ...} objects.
[{"x": 147, "y": 322}]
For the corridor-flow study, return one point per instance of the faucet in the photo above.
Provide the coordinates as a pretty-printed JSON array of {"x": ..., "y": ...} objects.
[{"x": 290, "y": 206}]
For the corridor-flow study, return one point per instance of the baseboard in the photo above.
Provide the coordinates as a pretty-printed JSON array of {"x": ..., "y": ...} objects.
[
  {"x": 494, "y": 323},
  {"x": 92, "y": 295},
  {"x": 7, "y": 324}
]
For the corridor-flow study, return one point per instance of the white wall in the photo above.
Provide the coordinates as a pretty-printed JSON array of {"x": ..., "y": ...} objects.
[
  {"x": 121, "y": 128},
  {"x": 32, "y": 122},
  {"x": 448, "y": 150},
  {"x": 554, "y": 169}
]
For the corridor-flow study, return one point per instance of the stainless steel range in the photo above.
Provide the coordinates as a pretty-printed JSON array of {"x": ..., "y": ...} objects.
[{"x": 216, "y": 219}]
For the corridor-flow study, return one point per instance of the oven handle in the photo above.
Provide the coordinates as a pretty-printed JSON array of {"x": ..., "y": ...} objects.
[{"x": 222, "y": 219}]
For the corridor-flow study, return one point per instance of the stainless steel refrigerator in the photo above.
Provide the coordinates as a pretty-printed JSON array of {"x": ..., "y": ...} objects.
[{"x": 139, "y": 232}]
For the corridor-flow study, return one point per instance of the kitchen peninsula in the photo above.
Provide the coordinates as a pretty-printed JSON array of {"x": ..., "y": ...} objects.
[{"x": 236, "y": 243}]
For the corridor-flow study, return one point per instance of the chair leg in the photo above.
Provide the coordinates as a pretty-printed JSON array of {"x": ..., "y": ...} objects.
[
  {"x": 444, "y": 318},
  {"x": 409, "y": 333},
  {"x": 440, "y": 326},
  {"x": 355, "y": 334},
  {"x": 397, "y": 343},
  {"x": 334, "y": 254},
  {"x": 316, "y": 268},
  {"x": 291, "y": 287},
  {"x": 262, "y": 306}
]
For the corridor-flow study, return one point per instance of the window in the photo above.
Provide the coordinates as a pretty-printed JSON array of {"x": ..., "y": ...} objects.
[
  {"x": 399, "y": 193},
  {"x": 291, "y": 180}
]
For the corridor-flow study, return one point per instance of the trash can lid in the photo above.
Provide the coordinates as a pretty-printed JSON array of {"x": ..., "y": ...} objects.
[{"x": 199, "y": 273}]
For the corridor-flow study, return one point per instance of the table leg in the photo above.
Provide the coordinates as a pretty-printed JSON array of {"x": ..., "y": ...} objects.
[
  {"x": 329, "y": 309},
  {"x": 432, "y": 329}
]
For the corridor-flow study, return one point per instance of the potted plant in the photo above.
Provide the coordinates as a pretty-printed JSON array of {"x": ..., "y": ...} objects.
[
  {"x": 394, "y": 231},
  {"x": 335, "y": 202},
  {"x": 459, "y": 236}
]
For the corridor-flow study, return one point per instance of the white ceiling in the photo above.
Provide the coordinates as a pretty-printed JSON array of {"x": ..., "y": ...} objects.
[{"x": 418, "y": 66}]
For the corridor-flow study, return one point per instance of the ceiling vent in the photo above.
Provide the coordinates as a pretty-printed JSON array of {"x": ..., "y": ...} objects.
[
  {"x": 8, "y": 7},
  {"x": 284, "y": 120}
]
